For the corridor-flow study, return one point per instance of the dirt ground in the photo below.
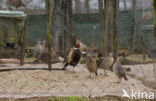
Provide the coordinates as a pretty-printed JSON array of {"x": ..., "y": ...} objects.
[{"x": 39, "y": 83}]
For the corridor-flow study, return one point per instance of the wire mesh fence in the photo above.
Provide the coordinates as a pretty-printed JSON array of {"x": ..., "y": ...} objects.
[
  {"x": 85, "y": 20},
  {"x": 72, "y": 18}
]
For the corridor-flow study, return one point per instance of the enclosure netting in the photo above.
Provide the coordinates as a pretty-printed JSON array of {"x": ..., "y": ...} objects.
[
  {"x": 87, "y": 27},
  {"x": 86, "y": 24}
]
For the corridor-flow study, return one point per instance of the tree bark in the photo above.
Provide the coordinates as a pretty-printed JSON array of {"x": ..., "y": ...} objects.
[
  {"x": 70, "y": 23},
  {"x": 154, "y": 12},
  {"x": 87, "y": 7},
  {"x": 101, "y": 14},
  {"x": 49, "y": 30},
  {"x": 62, "y": 26},
  {"x": 65, "y": 27},
  {"x": 125, "y": 5},
  {"x": 133, "y": 38},
  {"x": 110, "y": 27},
  {"x": 57, "y": 29},
  {"x": 22, "y": 45},
  {"x": 106, "y": 8},
  {"x": 115, "y": 36},
  {"x": 78, "y": 6}
]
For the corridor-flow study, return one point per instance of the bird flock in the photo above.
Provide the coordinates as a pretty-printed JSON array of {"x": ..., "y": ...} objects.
[
  {"x": 93, "y": 62},
  {"x": 92, "y": 58}
]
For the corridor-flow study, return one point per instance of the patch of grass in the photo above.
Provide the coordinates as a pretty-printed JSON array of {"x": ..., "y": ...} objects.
[
  {"x": 137, "y": 59},
  {"x": 73, "y": 98},
  {"x": 29, "y": 60},
  {"x": 106, "y": 98}
]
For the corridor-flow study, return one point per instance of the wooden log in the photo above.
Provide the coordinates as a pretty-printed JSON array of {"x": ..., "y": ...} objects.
[
  {"x": 4, "y": 61},
  {"x": 12, "y": 69}
]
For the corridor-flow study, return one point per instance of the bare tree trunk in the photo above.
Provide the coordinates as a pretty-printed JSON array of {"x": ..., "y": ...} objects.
[
  {"x": 87, "y": 7},
  {"x": 22, "y": 45},
  {"x": 110, "y": 27},
  {"x": 106, "y": 8},
  {"x": 115, "y": 36},
  {"x": 154, "y": 71},
  {"x": 101, "y": 13},
  {"x": 70, "y": 23},
  {"x": 49, "y": 30},
  {"x": 63, "y": 18},
  {"x": 1, "y": 40},
  {"x": 0, "y": 6},
  {"x": 78, "y": 6},
  {"x": 57, "y": 28},
  {"x": 69, "y": 28},
  {"x": 133, "y": 40},
  {"x": 67, "y": 25},
  {"x": 154, "y": 12},
  {"x": 125, "y": 5}
]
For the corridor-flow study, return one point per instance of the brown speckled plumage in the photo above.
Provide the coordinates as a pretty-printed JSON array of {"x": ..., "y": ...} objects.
[
  {"x": 91, "y": 65},
  {"x": 119, "y": 71},
  {"x": 105, "y": 63}
]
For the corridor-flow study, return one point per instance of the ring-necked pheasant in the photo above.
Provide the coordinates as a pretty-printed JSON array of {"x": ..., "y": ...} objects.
[
  {"x": 105, "y": 63},
  {"x": 119, "y": 70},
  {"x": 91, "y": 64},
  {"x": 73, "y": 57}
]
